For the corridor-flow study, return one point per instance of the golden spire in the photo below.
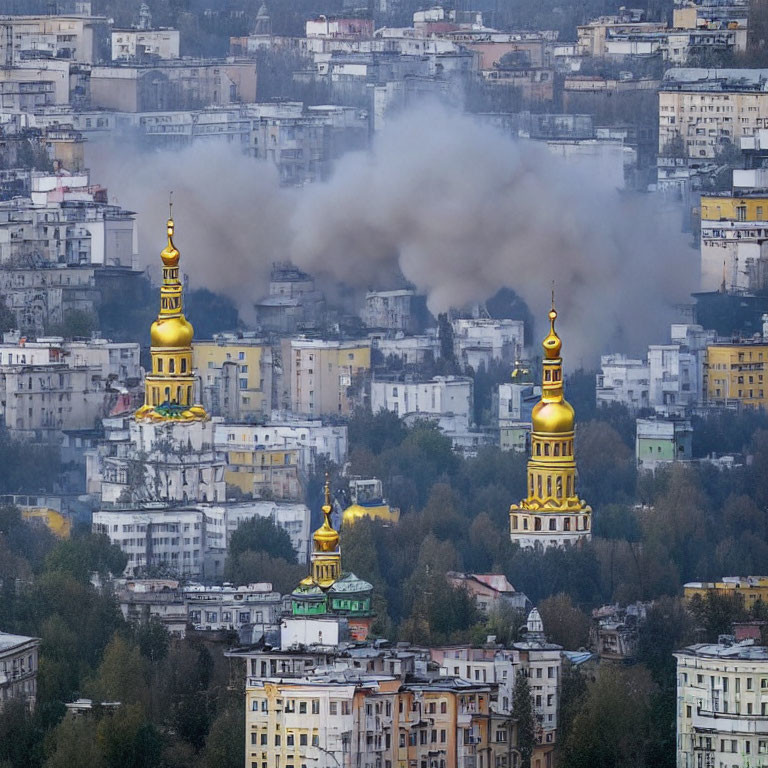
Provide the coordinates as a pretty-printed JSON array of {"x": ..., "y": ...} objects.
[
  {"x": 169, "y": 389},
  {"x": 325, "y": 537}
]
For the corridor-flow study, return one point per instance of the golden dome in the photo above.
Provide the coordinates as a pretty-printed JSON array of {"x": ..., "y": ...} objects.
[
  {"x": 171, "y": 332},
  {"x": 325, "y": 537},
  {"x": 170, "y": 254},
  {"x": 552, "y": 417}
]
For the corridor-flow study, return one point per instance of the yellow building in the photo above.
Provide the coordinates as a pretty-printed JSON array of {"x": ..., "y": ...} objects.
[
  {"x": 236, "y": 376},
  {"x": 265, "y": 472},
  {"x": 169, "y": 389},
  {"x": 748, "y": 589},
  {"x": 552, "y": 514},
  {"x": 730, "y": 208},
  {"x": 327, "y": 376},
  {"x": 736, "y": 373}
]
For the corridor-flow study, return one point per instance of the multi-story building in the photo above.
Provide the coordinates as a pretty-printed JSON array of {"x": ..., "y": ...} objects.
[
  {"x": 491, "y": 591},
  {"x": 661, "y": 441},
  {"x": 614, "y": 631},
  {"x": 734, "y": 240},
  {"x": 173, "y": 84},
  {"x": 141, "y": 44},
  {"x": 446, "y": 399},
  {"x": 50, "y": 385},
  {"x": 707, "y": 108},
  {"x": 669, "y": 380},
  {"x": 722, "y": 704},
  {"x": 293, "y": 301},
  {"x": 748, "y": 589},
  {"x": 479, "y": 341},
  {"x": 18, "y": 669},
  {"x": 734, "y": 374},
  {"x": 593, "y": 37},
  {"x": 236, "y": 376},
  {"x": 408, "y": 350},
  {"x": 352, "y": 719},
  {"x": 327, "y": 377},
  {"x": 516, "y": 404},
  {"x": 552, "y": 515},
  {"x": 310, "y": 439},
  {"x": 391, "y": 310},
  {"x": 73, "y": 38},
  {"x": 541, "y": 663},
  {"x": 271, "y": 473}
]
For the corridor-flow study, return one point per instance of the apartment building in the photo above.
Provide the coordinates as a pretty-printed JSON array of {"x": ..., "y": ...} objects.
[
  {"x": 448, "y": 399},
  {"x": 138, "y": 44},
  {"x": 661, "y": 441},
  {"x": 18, "y": 669},
  {"x": 735, "y": 374},
  {"x": 236, "y": 376},
  {"x": 327, "y": 377},
  {"x": 480, "y": 341},
  {"x": 310, "y": 438},
  {"x": 707, "y": 108},
  {"x": 722, "y": 704},
  {"x": 747, "y": 589}
]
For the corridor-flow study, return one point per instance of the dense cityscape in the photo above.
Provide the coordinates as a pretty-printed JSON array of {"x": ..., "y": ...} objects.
[{"x": 384, "y": 384}]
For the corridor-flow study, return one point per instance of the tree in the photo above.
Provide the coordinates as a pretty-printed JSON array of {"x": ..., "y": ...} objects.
[
  {"x": 613, "y": 727},
  {"x": 261, "y": 534},
  {"x": 77, "y": 323},
  {"x": 566, "y": 625},
  {"x": 251, "y": 567},
  {"x": 211, "y": 313},
  {"x": 73, "y": 744},
  {"x": 20, "y": 738},
  {"x": 522, "y": 709},
  {"x": 225, "y": 745},
  {"x": 122, "y": 675}
]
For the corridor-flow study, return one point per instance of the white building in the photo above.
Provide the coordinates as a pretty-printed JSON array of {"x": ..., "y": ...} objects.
[
  {"x": 478, "y": 341},
  {"x": 129, "y": 44},
  {"x": 310, "y": 437},
  {"x": 446, "y": 399},
  {"x": 722, "y": 704},
  {"x": 191, "y": 541},
  {"x": 515, "y": 406},
  {"x": 409, "y": 350},
  {"x": 669, "y": 380},
  {"x": 70, "y": 37},
  {"x": 391, "y": 310},
  {"x": 623, "y": 380},
  {"x": 50, "y": 385},
  {"x": 18, "y": 669}
]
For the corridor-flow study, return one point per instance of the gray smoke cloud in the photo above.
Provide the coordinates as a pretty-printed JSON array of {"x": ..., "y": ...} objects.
[{"x": 455, "y": 206}]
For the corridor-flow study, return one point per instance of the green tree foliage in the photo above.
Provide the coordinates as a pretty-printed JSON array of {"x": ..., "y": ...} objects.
[
  {"x": 261, "y": 534},
  {"x": 83, "y": 555},
  {"x": 210, "y": 313},
  {"x": 613, "y": 727},
  {"x": 251, "y": 567},
  {"x": 566, "y": 625},
  {"x": 77, "y": 323},
  {"x": 522, "y": 708},
  {"x": 225, "y": 746},
  {"x": 20, "y": 736}
]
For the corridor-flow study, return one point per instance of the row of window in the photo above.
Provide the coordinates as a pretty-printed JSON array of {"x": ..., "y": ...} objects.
[{"x": 575, "y": 523}]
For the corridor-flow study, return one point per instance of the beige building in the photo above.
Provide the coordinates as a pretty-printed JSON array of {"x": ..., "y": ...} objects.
[
  {"x": 18, "y": 668},
  {"x": 129, "y": 44},
  {"x": 236, "y": 376},
  {"x": 327, "y": 377},
  {"x": 173, "y": 85},
  {"x": 73, "y": 38},
  {"x": 709, "y": 108},
  {"x": 722, "y": 705}
]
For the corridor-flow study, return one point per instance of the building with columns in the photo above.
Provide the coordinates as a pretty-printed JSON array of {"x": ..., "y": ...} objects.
[{"x": 552, "y": 515}]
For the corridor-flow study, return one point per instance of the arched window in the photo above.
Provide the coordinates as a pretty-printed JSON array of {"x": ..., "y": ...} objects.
[
  {"x": 546, "y": 449},
  {"x": 536, "y": 523},
  {"x": 171, "y": 366},
  {"x": 559, "y": 487},
  {"x": 178, "y": 394},
  {"x": 159, "y": 364},
  {"x": 556, "y": 449},
  {"x": 552, "y": 524},
  {"x": 538, "y": 484},
  {"x": 183, "y": 364},
  {"x": 549, "y": 486},
  {"x": 538, "y": 449},
  {"x": 167, "y": 393},
  {"x": 567, "y": 524}
]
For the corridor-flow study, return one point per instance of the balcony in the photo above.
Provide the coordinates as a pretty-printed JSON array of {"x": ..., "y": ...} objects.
[{"x": 725, "y": 722}]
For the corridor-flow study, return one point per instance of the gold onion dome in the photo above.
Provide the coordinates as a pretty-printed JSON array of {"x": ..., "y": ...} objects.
[
  {"x": 552, "y": 414},
  {"x": 325, "y": 537},
  {"x": 174, "y": 330}
]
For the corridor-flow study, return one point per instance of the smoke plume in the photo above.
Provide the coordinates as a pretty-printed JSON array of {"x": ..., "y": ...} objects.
[{"x": 456, "y": 207}]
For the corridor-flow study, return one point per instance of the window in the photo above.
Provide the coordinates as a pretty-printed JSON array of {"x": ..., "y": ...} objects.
[
  {"x": 302, "y": 708},
  {"x": 315, "y": 706}
]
